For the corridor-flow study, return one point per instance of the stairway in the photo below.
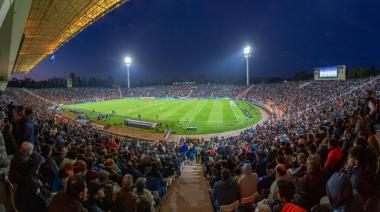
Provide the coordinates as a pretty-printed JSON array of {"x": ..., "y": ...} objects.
[{"x": 189, "y": 192}]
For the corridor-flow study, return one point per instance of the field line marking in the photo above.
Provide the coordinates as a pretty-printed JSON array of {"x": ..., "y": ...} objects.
[{"x": 233, "y": 110}]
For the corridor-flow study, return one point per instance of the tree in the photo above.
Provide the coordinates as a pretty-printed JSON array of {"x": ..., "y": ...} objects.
[{"x": 302, "y": 75}]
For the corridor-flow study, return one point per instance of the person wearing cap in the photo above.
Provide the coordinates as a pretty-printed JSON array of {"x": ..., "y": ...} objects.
[
  {"x": 95, "y": 197},
  {"x": 71, "y": 199},
  {"x": 342, "y": 196},
  {"x": 30, "y": 194},
  {"x": 126, "y": 199}
]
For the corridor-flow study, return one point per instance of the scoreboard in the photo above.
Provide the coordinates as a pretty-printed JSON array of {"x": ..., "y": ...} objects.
[{"x": 330, "y": 73}]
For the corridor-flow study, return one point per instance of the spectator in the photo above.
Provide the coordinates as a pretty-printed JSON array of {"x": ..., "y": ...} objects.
[
  {"x": 20, "y": 113},
  {"x": 226, "y": 190},
  {"x": 11, "y": 111},
  {"x": 110, "y": 189},
  {"x": 141, "y": 192},
  {"x": 261, "y": 164},
  {"x": 19, "y": 161},
  {"x": 248, "y": 182},
  {"x": 359, "y": 171},
  {"x": 266, "y": 182},
  {"x": 95, "y": 197},
  {"x": 341, "y": 194},
  {"x": 301, "y": 162},
  {"x": 80, "y": 168},
  {"x": 334, "y": 158},
  {"x": 49, "y": 170},
  {"x": 10, "y": 142},
  {"x": 363, "y": 124},
  {"x": 24, "y": 130},
  {"x": 30, "y": 193},
  {"x": 155, "y": 181},
  {"x": 64, "y": 173},
  {"x": 59, "y": 155},
  {"x": 286, "y": 191},
  {"x": 72, "y": 198},
  {"x": 310, "y": 187},
  {"x": 370, "y": 106},
  {"x": 126, "y": 200},
  {"x": 4, "y": 163},
  {"x": 312, "y": 151},
  {"x": 143, "y": 205},
  {"x": 113, "y": 170},
  {"x": 280, "y": 174}
]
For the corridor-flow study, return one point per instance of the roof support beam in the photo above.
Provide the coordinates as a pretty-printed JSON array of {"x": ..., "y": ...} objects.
[{"x": 13, "y": 16}]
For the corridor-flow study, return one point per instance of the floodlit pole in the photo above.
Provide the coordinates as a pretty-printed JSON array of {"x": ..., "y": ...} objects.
[
  {"x": 128, "y": 61},
  {"x": 247, "y": 54}
]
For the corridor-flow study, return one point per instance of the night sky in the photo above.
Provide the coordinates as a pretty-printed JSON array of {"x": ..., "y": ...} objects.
[{"x": 193, "y": 39}]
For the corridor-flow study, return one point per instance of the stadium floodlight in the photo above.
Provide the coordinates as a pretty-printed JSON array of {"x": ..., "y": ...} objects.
[
  {"x": 247, "y": 51},
  {"x": 128, "y": 61},
  {"x": 247, "y": 54}
]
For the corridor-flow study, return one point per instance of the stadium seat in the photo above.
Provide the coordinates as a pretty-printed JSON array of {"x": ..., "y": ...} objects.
[
  {"x": 250, "y": 199},
  {"x": 230, "y": 207}
]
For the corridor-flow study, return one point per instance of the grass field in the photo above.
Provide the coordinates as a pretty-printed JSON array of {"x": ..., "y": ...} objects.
[{"x": 209, "y": 116}]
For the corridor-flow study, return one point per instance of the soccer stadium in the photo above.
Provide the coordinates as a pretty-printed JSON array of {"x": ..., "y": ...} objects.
[{"x": 174, "y": 122}]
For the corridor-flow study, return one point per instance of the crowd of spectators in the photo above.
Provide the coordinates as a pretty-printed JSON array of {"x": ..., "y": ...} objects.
[
  {"x": 60, "y": 95},
  {"x": 317, "y": 152},
  {"x": 48, "y": 163}
]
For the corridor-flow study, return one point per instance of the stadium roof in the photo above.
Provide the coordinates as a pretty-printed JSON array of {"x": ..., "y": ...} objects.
[{"x": 51, "y": 23}]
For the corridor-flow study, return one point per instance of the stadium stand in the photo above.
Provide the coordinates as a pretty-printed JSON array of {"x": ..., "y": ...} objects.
[{"x": 318, "y": 152}]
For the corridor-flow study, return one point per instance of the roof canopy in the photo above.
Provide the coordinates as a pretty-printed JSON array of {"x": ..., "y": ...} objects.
[{"x": 51, "y": 23}]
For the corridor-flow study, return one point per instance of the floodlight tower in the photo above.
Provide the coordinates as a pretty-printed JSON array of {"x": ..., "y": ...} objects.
[
  {"x": 247, "y": 54},
  {"x": 128, "y": 61}
]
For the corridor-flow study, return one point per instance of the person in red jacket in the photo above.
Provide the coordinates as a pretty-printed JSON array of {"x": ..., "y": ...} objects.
[
  {"x": 335, "y": 155},
  {"x": 286, "y": 191}
]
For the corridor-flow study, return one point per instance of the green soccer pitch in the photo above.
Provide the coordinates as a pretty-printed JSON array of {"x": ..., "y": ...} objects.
[{"x": 208, "y": 116}]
